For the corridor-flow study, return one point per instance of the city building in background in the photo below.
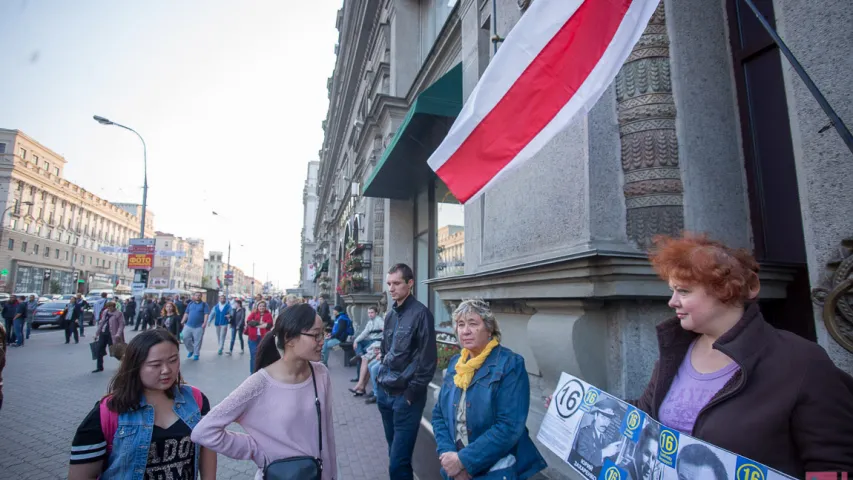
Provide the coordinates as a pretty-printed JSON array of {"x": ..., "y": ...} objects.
[
  {"x": 214, "y": 270},
  {"x": 560, "y": 244},
  {"x": 307, "y": 269},
  {"x": 55, "y": 236},
  {"x": 178, "y": 263}
]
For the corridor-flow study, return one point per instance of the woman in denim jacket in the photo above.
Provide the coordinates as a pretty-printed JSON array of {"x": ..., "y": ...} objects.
[
  {"x": 480, "y": 418},
  {"x": 142, "y": 428}
]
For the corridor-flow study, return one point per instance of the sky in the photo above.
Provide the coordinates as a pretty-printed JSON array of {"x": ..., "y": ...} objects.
[{"x": 229, "y": 96}]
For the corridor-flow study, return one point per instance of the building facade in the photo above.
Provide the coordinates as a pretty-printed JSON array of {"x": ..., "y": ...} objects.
[
  {"x": 213, "y": 270},
  {"x": 682, "y": 139},
  {"x": 307, "y": 268},
  {"x": 56, "y": 236},
  {"x": 178, "y": 263}
]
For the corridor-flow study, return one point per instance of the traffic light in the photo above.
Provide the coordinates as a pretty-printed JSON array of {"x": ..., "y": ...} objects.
[
  {"x": 47, "y": 274},
  {"x": 76, "y": 275}
]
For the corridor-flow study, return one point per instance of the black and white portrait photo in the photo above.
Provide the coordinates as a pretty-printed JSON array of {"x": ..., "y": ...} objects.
[{"x": 598, "y": 437}]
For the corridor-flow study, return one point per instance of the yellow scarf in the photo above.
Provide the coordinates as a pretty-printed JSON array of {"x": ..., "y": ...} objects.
[{"x": 466, "y": 368}]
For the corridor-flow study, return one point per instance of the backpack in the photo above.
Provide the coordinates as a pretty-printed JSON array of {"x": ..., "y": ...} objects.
[{"x": 109, "y": 418}]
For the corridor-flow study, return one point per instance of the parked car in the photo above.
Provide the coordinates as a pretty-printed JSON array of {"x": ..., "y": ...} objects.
[{"x": 52, "y": 313}]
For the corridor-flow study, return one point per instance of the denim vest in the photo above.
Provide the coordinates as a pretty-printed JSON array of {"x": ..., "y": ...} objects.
[
  {"x": 133, "y": 436},
  {"x": 497, "y": 399}
]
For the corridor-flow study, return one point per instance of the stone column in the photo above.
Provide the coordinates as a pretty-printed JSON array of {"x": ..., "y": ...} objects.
[{"x": 653, "y": 189}]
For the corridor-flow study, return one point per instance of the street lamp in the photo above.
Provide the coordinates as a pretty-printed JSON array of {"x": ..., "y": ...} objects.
[
  {"x": 104, "y": 121},
  {"x": 228, "y": 265}
]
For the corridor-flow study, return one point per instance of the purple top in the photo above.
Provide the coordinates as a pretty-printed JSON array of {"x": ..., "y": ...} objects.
[{"x": 690, "y": 392}]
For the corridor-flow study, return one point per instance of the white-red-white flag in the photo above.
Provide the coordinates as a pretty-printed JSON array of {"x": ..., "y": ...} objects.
[{"x": 556, "y": 62}]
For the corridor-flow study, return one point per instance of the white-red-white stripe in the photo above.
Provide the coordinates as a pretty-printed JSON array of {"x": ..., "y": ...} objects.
[{"x": 556, "y": 62}]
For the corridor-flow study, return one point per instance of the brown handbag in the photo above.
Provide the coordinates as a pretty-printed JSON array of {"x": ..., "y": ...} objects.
[{"x": 117, "y": 350}]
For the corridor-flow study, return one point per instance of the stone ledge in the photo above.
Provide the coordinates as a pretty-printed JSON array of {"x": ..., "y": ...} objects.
[{"x": 592, "y": 274}]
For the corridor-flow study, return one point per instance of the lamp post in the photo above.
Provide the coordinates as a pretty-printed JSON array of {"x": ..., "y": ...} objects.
[
  {"x": 3, "y": 218},
  {"x": 228, "y": 265},
  {"x": 104, "y": 121}
]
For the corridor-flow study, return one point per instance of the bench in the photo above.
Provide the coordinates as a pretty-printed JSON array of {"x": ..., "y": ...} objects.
[{"x": 349, "y": 352}]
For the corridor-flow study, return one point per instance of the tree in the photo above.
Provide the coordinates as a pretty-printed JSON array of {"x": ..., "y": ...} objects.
[{"x": 55, "y": 287}]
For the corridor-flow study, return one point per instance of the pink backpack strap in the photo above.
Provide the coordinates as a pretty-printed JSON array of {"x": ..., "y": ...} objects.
[
  {"x": 109, "y": 423},
  {"x": 199, "y": 399}
]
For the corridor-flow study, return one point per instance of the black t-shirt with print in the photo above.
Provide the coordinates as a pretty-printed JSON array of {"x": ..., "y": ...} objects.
[{"x": 170, "y": 454}]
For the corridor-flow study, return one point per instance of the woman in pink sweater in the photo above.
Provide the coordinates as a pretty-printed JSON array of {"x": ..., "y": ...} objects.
[{"x": 276, "y": 405}]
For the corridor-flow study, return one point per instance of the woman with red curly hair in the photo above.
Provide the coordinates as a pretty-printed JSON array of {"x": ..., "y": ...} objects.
[{"x": 728, "y": 377}]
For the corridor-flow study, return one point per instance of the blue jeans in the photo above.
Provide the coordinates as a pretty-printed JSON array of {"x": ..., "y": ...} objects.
[
  {"x": 329, "y": 344},
  {"x": 19, "y": 331},
  {"x": 29, "y": 326},
  {"x": 402, "y": 422},
  {"x": 373, "y": 368},
  {"x": 235, "y": 333},
  {"x": 253, "y": 348},
  {"x": 361, "y": 347}
]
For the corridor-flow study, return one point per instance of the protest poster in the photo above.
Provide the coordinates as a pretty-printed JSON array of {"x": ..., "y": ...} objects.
[{"x": 603, "y": 438}]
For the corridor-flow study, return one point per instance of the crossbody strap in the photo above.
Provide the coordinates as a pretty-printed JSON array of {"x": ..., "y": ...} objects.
[{"x": 319, "y": 416}]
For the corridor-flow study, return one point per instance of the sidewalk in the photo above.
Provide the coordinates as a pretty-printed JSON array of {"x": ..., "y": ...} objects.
[{"x": 49, "y": 389}]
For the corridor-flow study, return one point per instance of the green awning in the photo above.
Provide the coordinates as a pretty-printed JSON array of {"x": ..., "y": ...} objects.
[
  {"x": 320, "y": 271},
  {"x": 403, "y": 166}
]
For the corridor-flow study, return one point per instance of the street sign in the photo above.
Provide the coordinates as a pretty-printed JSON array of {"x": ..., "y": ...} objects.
[
  {"x": 140, "y": 254},
  {"x": 4, "y": 272},
  {"x": 159, "y": 282},
  {"x": 137, "y": 288}
]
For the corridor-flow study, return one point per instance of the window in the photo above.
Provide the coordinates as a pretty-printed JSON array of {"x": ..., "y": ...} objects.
[
  {"x": 83, "y": 259},
  {"x": 109, "y": 264},
  {"x": 27, "y": 227},
  {"x": 46, "y": 251},
  {"x": 35, "y": 160},
  {"x": 67, "y": 253},
  {"x": 23, "y": 153},
  {"x": 46, "y": 166},
  {"x": 2, "y": 148},
  {"x": 75, "y": 258},
  {"x": 14, "y": 224},
  {"x": 57, "y": 254},
  {"x": 36, "y": 249},
  {"x": 90, "y": 260},
  {"x": 11, "y": 243},
  {"x": 24, "y": 247}
]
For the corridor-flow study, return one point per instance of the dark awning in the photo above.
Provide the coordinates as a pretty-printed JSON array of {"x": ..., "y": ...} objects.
[
  {"x": 324, "y": 268},
  {"x": 403, "y": 166}
]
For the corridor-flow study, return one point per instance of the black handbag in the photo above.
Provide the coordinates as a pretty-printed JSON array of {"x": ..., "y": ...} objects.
[{"x": 304, "y": 467}]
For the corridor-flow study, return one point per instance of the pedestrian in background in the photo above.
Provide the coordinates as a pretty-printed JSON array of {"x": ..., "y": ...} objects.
[
  {"x": 32, "y": 304},
  {"x": 141, "y": 428},
  {"x": 238, "y": 323},
  {"x": 259, "y": 323},
  {"x": 170, "y": 319},
  {"x": 10, "y": 309},
  {"x": 2, "y": 359},
  {"x": 342, "y": 330},
  {"x": 323, "y": 310},
  {"x": 130, "y": 312},
  {"x": 98, "y": 307},
  {"x": 221, "y": 318},
  {"x": 83, "y": 304},
  {"x": 194, "y": 322},
  {"x": 285, "y": 408},
  {"x": 19, "y": 320},
  {"x": 73, "y": 314},
  {"x": 110, "y": 331}
]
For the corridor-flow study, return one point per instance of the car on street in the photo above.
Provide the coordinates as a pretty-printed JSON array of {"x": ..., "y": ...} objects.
[{"x": 52, "y": 313}]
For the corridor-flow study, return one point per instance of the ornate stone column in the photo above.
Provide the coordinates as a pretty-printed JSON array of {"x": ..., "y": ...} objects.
[{"x": 653, "y": 189}]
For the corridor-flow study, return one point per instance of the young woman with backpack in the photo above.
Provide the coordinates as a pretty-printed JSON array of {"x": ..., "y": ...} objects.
[{"x": 148, "y": 409}]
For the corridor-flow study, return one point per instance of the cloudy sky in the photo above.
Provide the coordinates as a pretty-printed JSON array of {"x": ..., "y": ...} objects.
[{"x": 229, "y": 96}]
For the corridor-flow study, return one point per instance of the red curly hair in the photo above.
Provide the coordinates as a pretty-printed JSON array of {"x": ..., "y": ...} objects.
[{"x": 730, "y": 275}]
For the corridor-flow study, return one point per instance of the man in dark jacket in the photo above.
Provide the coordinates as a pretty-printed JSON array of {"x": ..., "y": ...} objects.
[
  {"x": 408, "y": 365},
  {"x": 323, "y": 310},
  {"x": 130, "y": 312},
  {"x": 10, "y": 309},
  {"x": 73, "y": 315}
]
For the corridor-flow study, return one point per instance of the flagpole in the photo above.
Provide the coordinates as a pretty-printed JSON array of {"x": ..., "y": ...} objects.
[{"x": 834, "y": 119}]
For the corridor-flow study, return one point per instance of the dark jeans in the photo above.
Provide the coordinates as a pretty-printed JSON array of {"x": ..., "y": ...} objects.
[
  {"x": 19, "y": 330},
  {"x": 361, "y": 347},
  {"x": 81, "y": 324},
  {"x": 104, "y": 340},
  {"x": 10, "y": 331},
  {"x": 236, "y": 333},
  {"x": 253, "y": 349},
  {"x": 402, "y": 422},
  {"x": 70, "y": 328}
]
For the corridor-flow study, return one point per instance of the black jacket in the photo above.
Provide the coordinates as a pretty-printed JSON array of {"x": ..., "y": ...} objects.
[
  {"x": 408, "y": 350},
  {"x": 323, "y": 312}
]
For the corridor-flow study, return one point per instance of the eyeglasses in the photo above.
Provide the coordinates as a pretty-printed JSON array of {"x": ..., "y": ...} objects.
[{"x": 318, "y": 337}]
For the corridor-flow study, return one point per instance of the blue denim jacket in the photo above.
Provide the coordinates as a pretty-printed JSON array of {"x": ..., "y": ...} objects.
[
  {"x": 496, "y": 403},
  {"x": 133, "y": 436}
]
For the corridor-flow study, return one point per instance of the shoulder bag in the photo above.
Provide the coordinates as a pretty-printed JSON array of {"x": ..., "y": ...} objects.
[{"x": 304, "y": 467}]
